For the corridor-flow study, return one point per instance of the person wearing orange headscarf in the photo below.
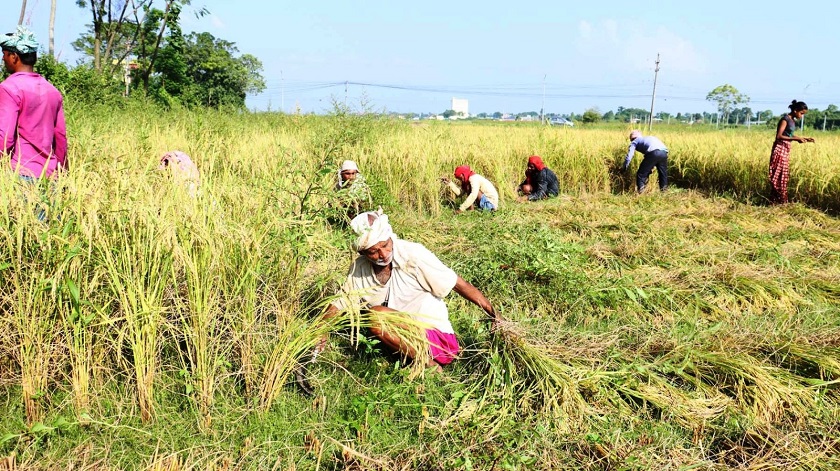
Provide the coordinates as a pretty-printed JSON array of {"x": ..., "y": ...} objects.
[
  {"x": 480, "y": 193},
  {"x": 540, "y": 182}
]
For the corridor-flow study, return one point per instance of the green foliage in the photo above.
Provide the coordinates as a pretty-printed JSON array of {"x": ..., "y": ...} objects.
[
  {"x": 727, "y": 97},
  {"x": 592, "y": 115},
  {"x": 678, "y": 330}
]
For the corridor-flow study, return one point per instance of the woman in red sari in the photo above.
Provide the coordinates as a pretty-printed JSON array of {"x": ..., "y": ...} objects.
[{"x": 780, "y": 157}]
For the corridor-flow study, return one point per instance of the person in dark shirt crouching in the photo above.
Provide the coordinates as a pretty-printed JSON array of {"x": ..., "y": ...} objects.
[{"x": 540, "y": 182}]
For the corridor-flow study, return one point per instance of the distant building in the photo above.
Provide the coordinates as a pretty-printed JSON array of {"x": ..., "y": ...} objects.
[{"x": 460, "y": 105}]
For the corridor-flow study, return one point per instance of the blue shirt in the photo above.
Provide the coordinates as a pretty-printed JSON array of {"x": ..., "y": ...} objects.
[{"x": 644, "y": 145}]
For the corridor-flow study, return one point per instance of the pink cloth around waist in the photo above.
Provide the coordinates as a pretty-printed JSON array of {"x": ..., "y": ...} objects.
[{"x": 443, "y": 347}]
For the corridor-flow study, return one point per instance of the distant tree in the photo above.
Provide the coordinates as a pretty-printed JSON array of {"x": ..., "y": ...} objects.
[
  {"x": 216, "y": 77},
  {"x": 727, "y": 97},
  {"x": 497, "y": 115},
  {"x": 629, "y": 115},
  {"x": 608, "y": 116},
  {"x": 592, "y": 115},
  {"x": 481, "y": 115},
  {"x": 448, "y": 114}
]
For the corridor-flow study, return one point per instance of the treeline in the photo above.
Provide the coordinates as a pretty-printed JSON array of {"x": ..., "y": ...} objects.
[
  {"x": 138, "y": 50},
  {"x": 828, "y": 119}
]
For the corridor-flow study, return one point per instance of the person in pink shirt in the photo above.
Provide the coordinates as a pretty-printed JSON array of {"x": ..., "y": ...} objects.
[{"x": 32, "y": 128}]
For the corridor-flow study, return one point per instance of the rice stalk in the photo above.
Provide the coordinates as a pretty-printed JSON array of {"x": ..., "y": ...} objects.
[
  {"x": 138, "y": 257},
  {"x": 197, "y": 265},
  {"x": 528, "y": 367}
]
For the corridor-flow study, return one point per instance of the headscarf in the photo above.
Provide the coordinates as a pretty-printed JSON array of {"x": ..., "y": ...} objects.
[
  {"x": 346, "y": 165},
  {"x": 371, "y": 234},
  {"x": 537, "y": 162},
  {"x": 466, "y": 172},
  {"x": 21, "y": 41},
  {"x": 183, "y": 169},
  {"x": 635, "y": 134},
  {"x": 181, "y": 163}
]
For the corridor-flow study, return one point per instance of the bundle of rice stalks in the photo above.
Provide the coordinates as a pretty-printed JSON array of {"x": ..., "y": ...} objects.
[
  {"x": 763, "y": 392},
  {"x": 692, "y": 409},
  {"x": 816, "y": 364},
  {"x": 771, "y": 448},
  {"x": 410, "y": 330},
  {"x": 531, "y": 372}
]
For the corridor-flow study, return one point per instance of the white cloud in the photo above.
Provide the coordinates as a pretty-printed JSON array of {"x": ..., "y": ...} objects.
[
  {"x": 217, "y": 22},
  {"x": 625, "y": 45},
  {"x": 585, "y": 29}
]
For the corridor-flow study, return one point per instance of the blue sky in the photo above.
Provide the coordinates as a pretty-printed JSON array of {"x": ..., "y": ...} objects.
[{"x": 415, "y": 56}]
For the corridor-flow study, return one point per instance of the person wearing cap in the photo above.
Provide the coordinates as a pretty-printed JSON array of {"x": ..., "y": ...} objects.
[
  {"x": 353, "y": 191},
  {"x": 656, "y": 155},
  {"x": 397, "y": 276},
  {"x": 540, "y": 182},
  {"x": 32, "y": 128},
  {"x": 480, "y": 193}
]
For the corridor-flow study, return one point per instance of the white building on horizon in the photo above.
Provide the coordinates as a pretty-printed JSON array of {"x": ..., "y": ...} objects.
[{"x": 461, "y": 105}]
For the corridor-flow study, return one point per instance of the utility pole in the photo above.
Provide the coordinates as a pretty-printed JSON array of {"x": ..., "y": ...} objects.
[
  {"x": 345, "y": 93},
  {"x": 653, "y": 96},
  {"x": 542, "y": 110},
  {"x": 282, "y": 94}
]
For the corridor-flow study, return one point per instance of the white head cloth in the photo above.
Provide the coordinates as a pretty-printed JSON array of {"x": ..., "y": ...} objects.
[
  {"x": 349, "y": 165},
  {"x": 346, "y": 165},
  {"x": 371, "y": 234}
]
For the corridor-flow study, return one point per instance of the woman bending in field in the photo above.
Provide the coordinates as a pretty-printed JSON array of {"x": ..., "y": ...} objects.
[{"x": 780, "y": 157}]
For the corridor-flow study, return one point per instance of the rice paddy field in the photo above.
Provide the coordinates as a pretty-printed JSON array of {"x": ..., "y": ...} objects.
[{"x": 144, "y": 329}]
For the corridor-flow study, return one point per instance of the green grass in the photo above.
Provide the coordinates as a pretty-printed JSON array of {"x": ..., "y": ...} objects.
[{"x": 683, "y": 330}]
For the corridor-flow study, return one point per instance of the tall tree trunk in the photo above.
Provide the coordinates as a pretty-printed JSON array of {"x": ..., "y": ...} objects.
[
  {"x": 22, "y": 12},
  {"x": 97, "y": 35},
  {"x": 148, "y": 72},
  {"x": 52, "y": 28}
]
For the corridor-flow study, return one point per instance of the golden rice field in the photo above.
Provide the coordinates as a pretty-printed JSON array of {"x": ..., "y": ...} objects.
[{"x": 144, "y": 329}]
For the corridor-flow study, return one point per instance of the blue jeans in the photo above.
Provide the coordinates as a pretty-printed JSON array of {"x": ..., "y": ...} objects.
[
  {"x": 43, "y": 197},
  {"x": 485, "y": 204}
]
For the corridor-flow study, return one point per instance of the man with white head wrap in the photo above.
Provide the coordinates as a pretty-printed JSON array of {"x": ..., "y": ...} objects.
[
  {"x": 656, "y": 155},
  {"x": 394, "y": 275}
]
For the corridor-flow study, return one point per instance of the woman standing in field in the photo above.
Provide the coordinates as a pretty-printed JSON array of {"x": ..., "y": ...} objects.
[{"x": 780, "y": 157}]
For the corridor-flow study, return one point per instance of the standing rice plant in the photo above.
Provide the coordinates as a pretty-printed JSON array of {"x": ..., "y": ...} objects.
[
  {"x": 36, "y": 246},
  {"x": 198, "y": 272},
  {"x": 242, "y": 283},
  {"x": 137, "y": 256},
  {"x": 295, "y": 337},
  {"x": 83, "y": 307},
  {"x": 81, "y": 282}
]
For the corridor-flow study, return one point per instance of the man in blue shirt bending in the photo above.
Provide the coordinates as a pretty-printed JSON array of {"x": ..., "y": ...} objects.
[{"x": 656, "y": 155}]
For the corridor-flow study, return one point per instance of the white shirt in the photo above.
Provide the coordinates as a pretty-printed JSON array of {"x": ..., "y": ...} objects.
[
  {"x": 477, "y": 183},
  {"x": 419, "y": 282}
]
